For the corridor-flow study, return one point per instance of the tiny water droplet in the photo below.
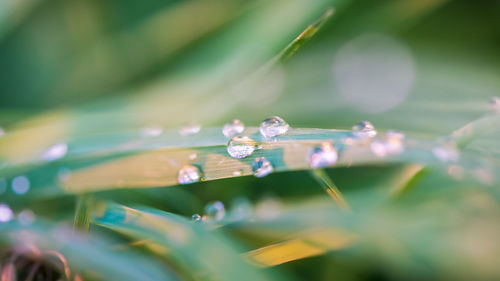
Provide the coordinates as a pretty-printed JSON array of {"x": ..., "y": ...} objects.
[
  {"x": 261, "y": 167},
  {"x": 233, "y": 128},
  {"x": 55, "y": 152},
  {"x": 391, "y": 143},
  {"x": 215, "y": 210},
  {"x": 323, "y": 156},
  {"x": 6, "y": 213},
  {"x": 189, "y": 174},
  {"x": 196, "y": 218},
  {"x": 26, "y": 217},
  {"x": 20, "y": 185},
  {"x": 241, "y": 147},
  {"x": 494, "y": 104},
  {"x": 364, "y": 129},
  {"x": 237, "y": 173},
  {"x": 190, "y": 129},
  {"x": 446, "y": 152},
  {"x": 149, "y": 132},
  {"x": 273, "y": 126}
]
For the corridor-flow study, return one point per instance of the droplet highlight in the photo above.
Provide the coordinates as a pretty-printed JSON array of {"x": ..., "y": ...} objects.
[
  {"x": 261, "y": 167},
  {"x": 189, "y": 174},
  {"x": 196, "y": 218},
  {"x": 55, "y": 152},
  {"x": 273, "y": 126},
  {"x": 364, "y": 129},
  {"x": 233, "y": 128},
  {"x": 6, "y": 213},
  {"x": 324, "y": 155},
  {"x": 241, "y": 147}
]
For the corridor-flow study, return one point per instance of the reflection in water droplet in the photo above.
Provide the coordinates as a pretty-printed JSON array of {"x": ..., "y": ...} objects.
[
  {"x": 20, "y": 185},
  {"x": 261, "y": 167},
  {"x": 196, "y": 218},
  {"x": 494, "y": 104},
  {"x": 233, "y": 128},
  {"x": 190, "y": 129},
  {"x": 446, "y": 152},
  {"x": 26, "y": 217},
  {"x": 152, "y": 131},
  {"x": 268, "y": 208},
  {"x": 55, "y": 152},
  {"x": 273, "y": 126},
  {"x": 241, "y": 147},
  {"x": 215, "y": 210},
  {"x": 3, "y": 185},
  {"x": 189, "y": 174},
  {"x": 364, "y": 129},
  {"x": 6, "y": 213},
  {"x": 323, "y": 156},
  {"x": 391, "y": 143}
]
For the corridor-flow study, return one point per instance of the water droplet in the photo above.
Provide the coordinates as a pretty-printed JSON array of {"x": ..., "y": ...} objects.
[
  {"x": 6, "y": 213},
  {"x": 494, "y": 104},
  {"x": 2, "y": 132},
  {"x": 189, "y": 174},
  {"x": 241, "y": 147},
  {"x": 273, "y": 126},
  {"x": 233, "y": 128},
  {"x": 190, "y": 129},
  {"x": 3, "y": 185},
  {"x": 261, "y": 167},
  {"x": 364, "y": 129},
  {"x": 391, "y": 143},
  {"x": 55, "y": 152},
  {"x": 26, "y": 217},
  {"x": 192, "y": 156},
  {"x": 196, "y": 218},
  {"x": 152, "y": 131},
  {"x": 446, "y": 152},
  {"x": 20, "y": 185},
  {"x": 215, "y": 210},
  {"x": 237, "y": 173},
  {"x": 323, "y": 156}
]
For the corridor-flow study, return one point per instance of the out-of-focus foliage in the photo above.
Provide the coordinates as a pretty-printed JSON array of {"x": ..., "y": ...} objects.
[{"x": 93, "y": 96}]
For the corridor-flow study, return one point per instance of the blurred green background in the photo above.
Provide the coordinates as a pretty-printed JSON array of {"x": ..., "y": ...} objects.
[{"x": 89, "y": 72}]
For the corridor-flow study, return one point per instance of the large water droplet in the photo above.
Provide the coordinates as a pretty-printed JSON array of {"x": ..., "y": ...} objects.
[
  {"x": 323, "y": 156},
  {"x": 364, "y": 129},
  {"x": 215, "y": 210},
  {"x": 189, "y": 174},
  {"x": 190, "y": 129},
  {"x": 494, "y": 104},
  {"x": 6, "y": 213},
  {"x": 55, "y": 152},
  {"x": 273, "y": 126},
  {"x": 233, "y": 128},
  {"x": 20, "y": 185},
  {"x": 241, "y": 147},
  {"x": 391, "y": 143},
  {"x": 261, "y": 167},
  {"x": 196, "y": 218}
]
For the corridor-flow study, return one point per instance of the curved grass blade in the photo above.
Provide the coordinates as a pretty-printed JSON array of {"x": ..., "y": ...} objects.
[{"x": 327, "y": 184}]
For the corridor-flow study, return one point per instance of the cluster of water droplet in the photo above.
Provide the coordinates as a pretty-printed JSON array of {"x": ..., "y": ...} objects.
[{"x": 391, "y": 143}]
